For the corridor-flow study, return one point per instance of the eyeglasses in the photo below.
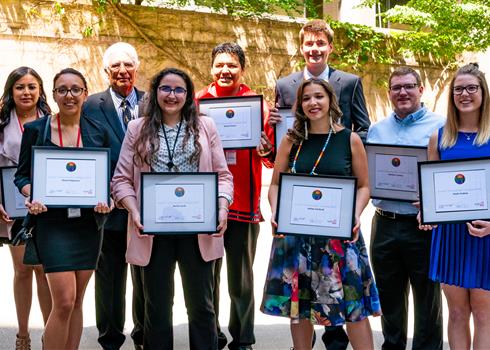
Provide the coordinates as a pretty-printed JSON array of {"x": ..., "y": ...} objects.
[
  {"x": 178, "y": 91},
  {"x": 74, "y": 91},
  {"x": 398, "y": 88},
  {"x": 470, "y": 89},
  {"x": 115, "y": 67}
]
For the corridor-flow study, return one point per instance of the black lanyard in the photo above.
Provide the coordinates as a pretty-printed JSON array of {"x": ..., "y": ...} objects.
[{"x": 170, "y": 163}]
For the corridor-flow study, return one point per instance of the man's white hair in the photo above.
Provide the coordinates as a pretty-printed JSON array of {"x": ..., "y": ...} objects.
[{"x": 120, "y": 47}]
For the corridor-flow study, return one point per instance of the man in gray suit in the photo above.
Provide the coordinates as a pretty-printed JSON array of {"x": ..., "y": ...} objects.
[{"x": 316, "y": 39}]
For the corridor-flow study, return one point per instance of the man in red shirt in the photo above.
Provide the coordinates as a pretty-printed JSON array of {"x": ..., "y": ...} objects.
[{"x": 228, "y": 65}]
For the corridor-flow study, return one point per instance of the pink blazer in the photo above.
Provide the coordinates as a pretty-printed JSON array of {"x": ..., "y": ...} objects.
[
  {"x": 10, "y": 140},
  {"x": 126, "y": 182}
]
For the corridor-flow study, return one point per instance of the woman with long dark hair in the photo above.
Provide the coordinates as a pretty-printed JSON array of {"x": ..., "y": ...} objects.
[
  {"x": 170, "y": 137},
  {"x": 23, "y": 101},
  {"x": 68, "y": 241},
  {"x": 314, "y": 279}
]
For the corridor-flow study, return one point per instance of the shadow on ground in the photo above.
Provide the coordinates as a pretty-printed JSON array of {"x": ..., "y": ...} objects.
[{"x": 269, "y": 337}]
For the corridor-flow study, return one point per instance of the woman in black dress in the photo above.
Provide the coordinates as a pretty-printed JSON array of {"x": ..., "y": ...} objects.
[
  {"x": 314, "y": 279},
  {"x": 68, "y": 243}
]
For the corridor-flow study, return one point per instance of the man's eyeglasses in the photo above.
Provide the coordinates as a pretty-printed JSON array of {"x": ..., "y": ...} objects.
[
  {"x": 470, "y": 89},
  {"x": 74, "y": 91},
  {"x": 178, "y": 91},
  {"x": 408, "y": 87}
]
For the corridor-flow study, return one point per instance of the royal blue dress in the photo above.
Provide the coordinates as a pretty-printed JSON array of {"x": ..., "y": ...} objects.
[{"x": 458, "y": 258}]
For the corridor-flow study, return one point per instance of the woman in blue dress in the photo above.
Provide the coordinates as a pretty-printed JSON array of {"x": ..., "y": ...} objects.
[
  {"x": 460, "y": 253},
  {"x": 314, "y": 279}
]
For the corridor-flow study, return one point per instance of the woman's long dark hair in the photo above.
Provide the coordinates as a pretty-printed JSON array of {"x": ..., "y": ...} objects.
[
  {"x": 297, "y": 133},
  {"x": 153, "y": 116},
  {"x": 7, "y": 103}
]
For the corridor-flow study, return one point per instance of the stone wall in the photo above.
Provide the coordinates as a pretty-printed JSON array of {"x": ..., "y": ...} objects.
[{"x": 33, "y": 34}]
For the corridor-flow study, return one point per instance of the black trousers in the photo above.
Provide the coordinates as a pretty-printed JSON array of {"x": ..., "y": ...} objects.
[
  {"x": 158, "y": 285},
  {"x": 110, "y": 293},
  {"x": 400, "y": 255},
  {"x": 240, "y": 246}
]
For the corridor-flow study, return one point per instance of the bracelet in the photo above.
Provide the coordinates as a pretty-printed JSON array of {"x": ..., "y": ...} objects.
[{"x": 225, "y": 208}]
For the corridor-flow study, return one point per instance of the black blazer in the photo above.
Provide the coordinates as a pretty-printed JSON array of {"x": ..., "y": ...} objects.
[
  {"x": 100, "y": 108},
  {"x": 93, "y": 135},
  {"x": 348, "y": 88}
]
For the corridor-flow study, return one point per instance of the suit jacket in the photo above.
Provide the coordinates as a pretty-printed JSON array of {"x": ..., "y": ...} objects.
[
  {"x": 10, "y": 139},
  {"x": 348, "y": 88},
  {"x": 93, "y": 134},
  {"x": 100, "y": 107},
  {"x": 126, "y": 182}
]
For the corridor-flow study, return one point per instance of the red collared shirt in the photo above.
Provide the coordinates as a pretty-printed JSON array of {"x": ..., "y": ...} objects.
[{"x": 246, "y": 167}]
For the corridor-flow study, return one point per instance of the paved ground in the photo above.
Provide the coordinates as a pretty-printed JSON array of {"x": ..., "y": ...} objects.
[{"x": 271, "y": 332}]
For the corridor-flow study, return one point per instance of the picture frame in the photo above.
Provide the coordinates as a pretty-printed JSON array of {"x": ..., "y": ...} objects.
[
  {"x": 69, "y": 177},
  {"x": 454, "y": 191},
  {"x": 179, "y": 203},
  {"x": 281, "y": 129},
  {"x": 316, "y": 205},
  {"x": 12, "y": 200},
  {"x": 393, "y": 173},
  {"x": 239, "y": 119}
]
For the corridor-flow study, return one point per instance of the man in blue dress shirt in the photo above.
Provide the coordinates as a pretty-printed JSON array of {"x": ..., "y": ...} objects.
[{"x": 400, "y": 252}]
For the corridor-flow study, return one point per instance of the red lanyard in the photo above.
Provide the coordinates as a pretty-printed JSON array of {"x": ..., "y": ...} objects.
[
  {"x": 22, "y": 126},
  {"x": 61, "y": 136}
]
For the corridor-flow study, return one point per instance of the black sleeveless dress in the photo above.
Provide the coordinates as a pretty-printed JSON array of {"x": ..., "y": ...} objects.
[{"x": 324, "y": 280}]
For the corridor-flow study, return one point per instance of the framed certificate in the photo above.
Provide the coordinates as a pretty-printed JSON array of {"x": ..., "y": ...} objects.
[
  {"x": 281, "y": 129},
  {"x": 179, "y": 203},
  {"x": 70, "y": 177},
  {"x": 12, "y": 200},
  {"x": 454, "y": 190},
  {"x": 393, "y": 171},
  {"x": 316, "y": 205},
  {"x": 238, "y": 119}
]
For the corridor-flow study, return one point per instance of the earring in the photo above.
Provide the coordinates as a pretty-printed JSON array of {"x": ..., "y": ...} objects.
[{"x": 306, "y": 130}]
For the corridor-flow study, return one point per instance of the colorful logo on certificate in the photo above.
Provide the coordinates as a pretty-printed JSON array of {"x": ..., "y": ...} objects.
[
  {"x": 230, "y": 113},
  {"x": 459, "y": 179},
  {"x": 395, "y": 162},
  {"x": 179, "y": 192},
  {"x": 71, "y": 166},
  {"x": 317, "y": 195}
]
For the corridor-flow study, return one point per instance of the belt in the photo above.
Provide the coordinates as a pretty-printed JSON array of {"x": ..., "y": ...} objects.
[{"x": 394, "y": 216}]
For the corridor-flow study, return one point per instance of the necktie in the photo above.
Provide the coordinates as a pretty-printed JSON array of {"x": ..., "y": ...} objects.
[{"x": 126, "y": 112}]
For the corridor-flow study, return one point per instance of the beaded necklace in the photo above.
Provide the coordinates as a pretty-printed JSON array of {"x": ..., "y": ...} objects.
[{"x": 320, "y": 156}]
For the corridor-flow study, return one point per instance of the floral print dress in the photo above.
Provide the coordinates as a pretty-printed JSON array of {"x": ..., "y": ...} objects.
[{"x": 327, "y": 281}]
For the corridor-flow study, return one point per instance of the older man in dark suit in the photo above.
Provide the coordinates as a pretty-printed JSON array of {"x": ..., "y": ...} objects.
[
  {"x": 316, "y": 38},
  {"x": 115, "y": 107}
]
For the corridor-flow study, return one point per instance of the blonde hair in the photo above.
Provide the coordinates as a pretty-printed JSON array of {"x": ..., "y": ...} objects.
[{"x": 450, "y": 132}]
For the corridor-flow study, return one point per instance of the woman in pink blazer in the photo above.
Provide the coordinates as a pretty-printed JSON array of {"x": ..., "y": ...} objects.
[
  {"x": 23, "y": 101},
  {"x": 170, "y": 137}
]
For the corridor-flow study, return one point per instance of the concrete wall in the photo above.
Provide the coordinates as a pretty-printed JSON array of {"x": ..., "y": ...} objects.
[{"x": 33, "y": 34}]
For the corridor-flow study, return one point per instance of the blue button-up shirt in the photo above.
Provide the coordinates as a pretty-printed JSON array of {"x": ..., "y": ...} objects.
[{"x": 413, "y": 130}]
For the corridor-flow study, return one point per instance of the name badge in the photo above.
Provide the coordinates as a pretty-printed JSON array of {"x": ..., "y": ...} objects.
[
  {"x": 230, "y": 157},
  {"x": 74, "y": 213}
]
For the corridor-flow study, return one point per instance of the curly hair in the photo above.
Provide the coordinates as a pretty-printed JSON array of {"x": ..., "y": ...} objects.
[
  {"x": 154, "y": 117},
  {"x": 7, "y": 103},
  {"x": 298, "y": 133}
]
